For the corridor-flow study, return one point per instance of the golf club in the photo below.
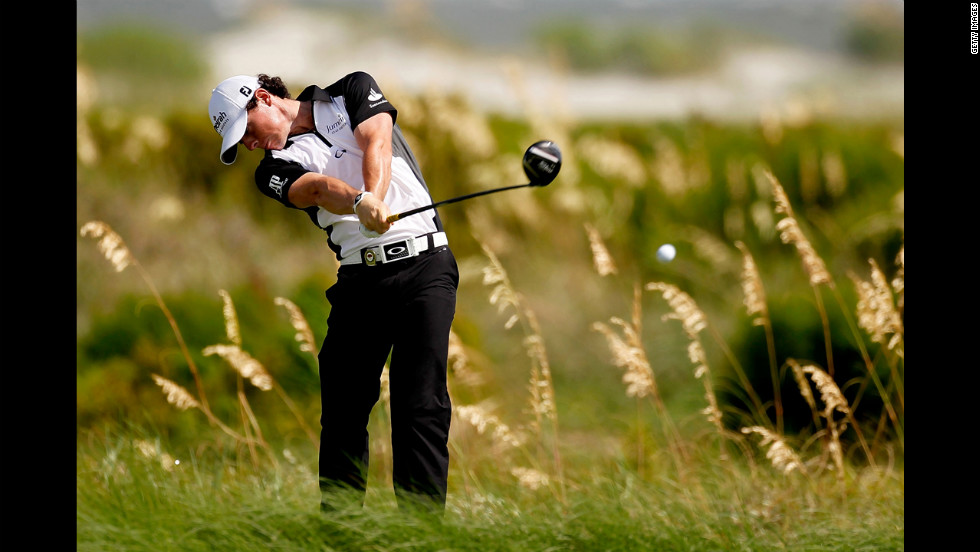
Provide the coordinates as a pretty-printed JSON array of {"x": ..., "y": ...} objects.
[{"x": 541, "y": 163}]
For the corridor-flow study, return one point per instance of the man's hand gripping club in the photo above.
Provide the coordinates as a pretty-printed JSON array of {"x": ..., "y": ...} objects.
[{"x": 373, "y": 215}]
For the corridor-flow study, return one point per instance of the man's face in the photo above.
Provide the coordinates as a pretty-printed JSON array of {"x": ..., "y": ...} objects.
[{"x": 267, "y": 127}]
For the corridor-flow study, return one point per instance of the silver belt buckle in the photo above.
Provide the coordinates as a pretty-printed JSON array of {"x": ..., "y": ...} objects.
[{"x": 398, "y": 250}]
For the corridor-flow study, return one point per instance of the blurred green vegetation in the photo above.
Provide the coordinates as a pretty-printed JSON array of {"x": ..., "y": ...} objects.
[
  {"x": 198, "y": 226},
  {"x": 876, "y": 34},
  {"x": 142, "y": 52},
  {"x": 873, "y": 33},
  {"x": 142, "y": 65},
  {"x": 585, "y": 47}
]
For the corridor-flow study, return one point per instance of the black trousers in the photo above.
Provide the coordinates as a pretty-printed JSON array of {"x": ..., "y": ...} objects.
[{"x": 404, "y": 308}]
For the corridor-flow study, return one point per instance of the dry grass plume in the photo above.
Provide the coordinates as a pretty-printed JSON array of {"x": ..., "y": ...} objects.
[
  {"x": 243, "y": 363},
  {"x": 304, "y": 334},
  {"x": 601, "y": 258}
]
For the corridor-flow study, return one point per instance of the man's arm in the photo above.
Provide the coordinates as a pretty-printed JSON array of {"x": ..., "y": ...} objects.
[
  {"x": 318, "y": 190},
  {"x": 374, "y": 138},
  {"x": 335, "y": 195}
]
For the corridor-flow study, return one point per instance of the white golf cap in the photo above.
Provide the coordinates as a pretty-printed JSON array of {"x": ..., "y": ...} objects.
[{"x": 227, "y": 111}]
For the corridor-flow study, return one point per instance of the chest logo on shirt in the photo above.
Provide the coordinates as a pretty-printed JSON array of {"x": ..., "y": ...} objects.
[
  {"x": 339, "y": 153},
  {"x": 277, "y": 183},
  {"x": 333, "y": 128}
]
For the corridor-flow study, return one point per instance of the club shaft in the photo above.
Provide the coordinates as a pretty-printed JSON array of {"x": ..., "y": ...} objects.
[{"x": 393, "y": 218}]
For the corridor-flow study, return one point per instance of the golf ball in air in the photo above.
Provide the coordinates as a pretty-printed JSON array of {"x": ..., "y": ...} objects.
[{"x": 666, "y": 253}]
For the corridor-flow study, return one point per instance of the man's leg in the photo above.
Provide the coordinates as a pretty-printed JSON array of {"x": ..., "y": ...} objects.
[
  {"x": 350, "y": 376},
  {"x": 420, "y": 407}
]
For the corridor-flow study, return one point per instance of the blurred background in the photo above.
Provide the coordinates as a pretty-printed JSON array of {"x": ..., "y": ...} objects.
[
  {"x": 627, "y": 59},
  {"x": 665, "y": 110}
]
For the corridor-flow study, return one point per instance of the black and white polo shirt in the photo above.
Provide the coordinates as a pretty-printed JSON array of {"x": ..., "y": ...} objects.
[{"x": 332, "y": 149}]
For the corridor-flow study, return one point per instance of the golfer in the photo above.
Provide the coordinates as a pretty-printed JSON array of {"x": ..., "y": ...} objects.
[{"x": 337, "y": 154}]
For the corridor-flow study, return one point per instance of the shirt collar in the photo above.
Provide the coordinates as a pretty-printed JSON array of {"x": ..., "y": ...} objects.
[{"x": 313, "y": 92}]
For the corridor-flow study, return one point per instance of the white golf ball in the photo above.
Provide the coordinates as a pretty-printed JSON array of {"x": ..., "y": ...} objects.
[{"x": 666, "y": 253}]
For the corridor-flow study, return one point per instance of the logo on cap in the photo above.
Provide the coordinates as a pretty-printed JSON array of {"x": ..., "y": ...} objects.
[
  {"x": 219, "y": 121},
  {"x": 246, "y": 91}
]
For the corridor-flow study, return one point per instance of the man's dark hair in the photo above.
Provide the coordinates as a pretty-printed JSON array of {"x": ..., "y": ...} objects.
[{"x": 275, "y": 87}]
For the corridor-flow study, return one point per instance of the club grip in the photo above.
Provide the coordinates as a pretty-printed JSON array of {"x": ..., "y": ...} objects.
[{"x": 399, "y": 216}]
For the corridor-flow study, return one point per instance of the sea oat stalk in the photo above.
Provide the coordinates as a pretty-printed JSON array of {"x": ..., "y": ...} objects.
[
  {"x": 755, "y": 304},
  {"x": 459, "y": 362},
  {"x": 176, "y": 395},
  {"x": 876, "y": 311},
  {"x": 601, "y": 258},
  {"x": 249, "y": 420},
  {"x": 815, "y": 268},
  {"x": 542, "y": 390},
  {"x": 637, "y": 375},
  {"x": 693, "y": 320},
  {"x": 243, "y": 363},
  {"x": 252, "y": 370},
  {"x": 782, "y": 456},
  {"x": 834, "y": 401},
  {"x": 791, "y": 233},
  {"x": 183, "y": 400},
  {"x": 115, "y": 251},
  {"x": 878, "y": 316},
  {"x": 830, "y": 394},
  {"x": 506, "y": 298},
  {"x": 304, "y": 334},
  {"x": 805, "y": 390},
  {"x": 483, "y": 421},
  {"x": 231, "y": 318},
  {"x": 898, "y": 282},
  {"x": 628, "y": 353},
  {"x": 248, "y": 364}
]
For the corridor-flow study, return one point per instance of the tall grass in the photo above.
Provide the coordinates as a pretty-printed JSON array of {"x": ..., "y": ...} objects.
[
  {"x": 512, "y": 487},
  {"x": 113, "y": 247}
]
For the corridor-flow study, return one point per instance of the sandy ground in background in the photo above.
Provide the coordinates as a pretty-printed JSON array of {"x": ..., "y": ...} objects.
[{"x": 314, "y": 48}]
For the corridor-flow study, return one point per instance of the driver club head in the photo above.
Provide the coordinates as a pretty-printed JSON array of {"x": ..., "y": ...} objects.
[{"x": 542, "y": 161}]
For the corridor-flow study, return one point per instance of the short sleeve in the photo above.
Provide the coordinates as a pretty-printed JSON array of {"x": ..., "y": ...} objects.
[
  {"x": 274, "y": 177},
  {"x": 364, "y": 98}
]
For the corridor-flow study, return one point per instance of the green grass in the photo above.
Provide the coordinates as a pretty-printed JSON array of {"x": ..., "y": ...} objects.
[{"x": 217, "y": 500}]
